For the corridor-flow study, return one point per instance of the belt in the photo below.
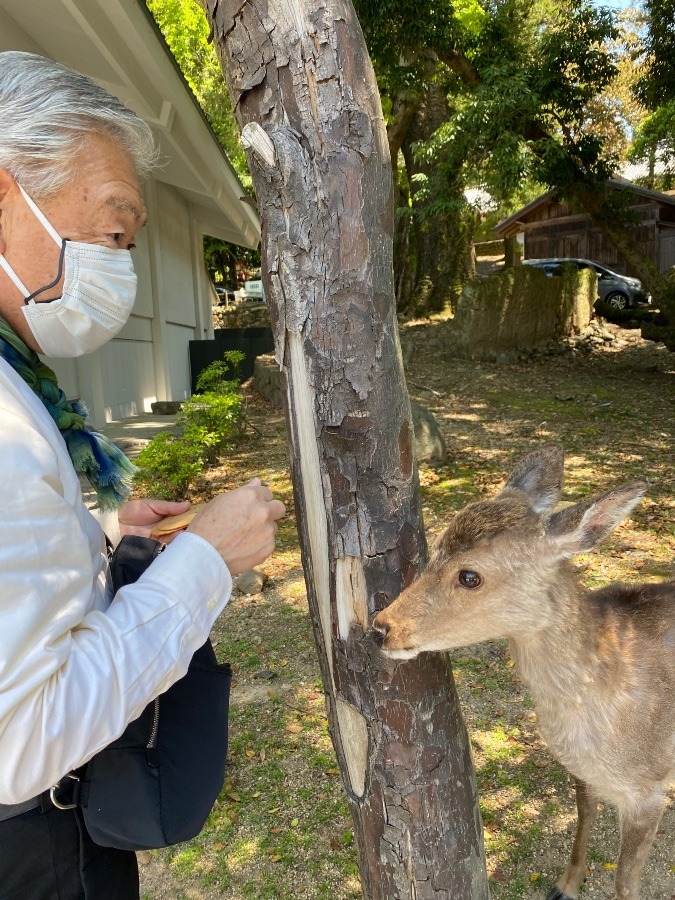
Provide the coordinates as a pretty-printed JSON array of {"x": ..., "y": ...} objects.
[
  {"x": 8, "y": 812},
  {"x": 51, "y": 799}
]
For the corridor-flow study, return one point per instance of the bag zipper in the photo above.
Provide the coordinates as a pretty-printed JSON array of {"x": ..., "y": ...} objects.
[{"x": 151, "y": 747}]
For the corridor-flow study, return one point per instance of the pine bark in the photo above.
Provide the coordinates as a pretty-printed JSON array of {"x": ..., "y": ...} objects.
[{"x": 306, "y": 98}]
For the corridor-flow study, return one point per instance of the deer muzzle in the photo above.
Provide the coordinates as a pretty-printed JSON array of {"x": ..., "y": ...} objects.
[{"x": 393, "y": 636}]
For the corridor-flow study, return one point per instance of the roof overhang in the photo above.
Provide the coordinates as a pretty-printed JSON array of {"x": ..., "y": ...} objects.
[
  {"x": 116, "y": 43},
  {"x": 517, "y": 222},
  {"x": 514, "y": 224}
]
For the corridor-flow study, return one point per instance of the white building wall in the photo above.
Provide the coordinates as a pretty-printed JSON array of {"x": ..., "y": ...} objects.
[
  {"x": 128, "y": 379},
  {"x": 177, "y": 338},
  {"x": 177, "y": 294},
  {"x": 176, "y": 257}
]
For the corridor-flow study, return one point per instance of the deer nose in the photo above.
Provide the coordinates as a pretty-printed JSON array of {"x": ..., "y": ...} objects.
[{"x": 379, "y": 631}]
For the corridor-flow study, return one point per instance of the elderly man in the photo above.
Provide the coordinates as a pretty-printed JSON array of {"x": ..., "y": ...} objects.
[{"x": 74, "y": 668}]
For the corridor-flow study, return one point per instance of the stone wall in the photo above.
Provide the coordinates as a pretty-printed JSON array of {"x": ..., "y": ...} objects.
[
  {"x": 489, "y": 248},
  {"x": 241, "y": 316},
  {"x": 267, "y": 379},
  {"x": 504, "y": 317},
  {"x": 521, "y": 309}
]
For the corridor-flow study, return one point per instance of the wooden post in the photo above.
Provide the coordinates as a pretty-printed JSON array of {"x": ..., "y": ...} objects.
[{"x": 305, "y": 96}]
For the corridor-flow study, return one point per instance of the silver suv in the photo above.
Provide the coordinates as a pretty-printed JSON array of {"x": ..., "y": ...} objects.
[{"x": 618, "y": 291}]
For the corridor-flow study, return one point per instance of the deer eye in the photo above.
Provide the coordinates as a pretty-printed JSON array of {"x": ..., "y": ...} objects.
[{"x": 469, "y": 579}]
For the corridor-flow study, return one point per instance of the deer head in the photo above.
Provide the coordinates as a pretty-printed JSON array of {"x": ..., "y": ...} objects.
[{"x": 499, "y": 569}]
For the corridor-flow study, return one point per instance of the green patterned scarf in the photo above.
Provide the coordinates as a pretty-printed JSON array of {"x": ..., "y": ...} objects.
[{"x": 109, "y": 471}]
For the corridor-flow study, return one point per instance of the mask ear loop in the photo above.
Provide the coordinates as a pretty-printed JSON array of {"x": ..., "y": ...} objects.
[
  {"x": 40, "y": 216},
  {"x": 30, "y": 298},
  {"x": 13, "y": 276}
]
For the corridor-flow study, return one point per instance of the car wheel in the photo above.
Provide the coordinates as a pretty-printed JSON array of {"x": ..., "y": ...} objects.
[{"x": 617, "y": 299}]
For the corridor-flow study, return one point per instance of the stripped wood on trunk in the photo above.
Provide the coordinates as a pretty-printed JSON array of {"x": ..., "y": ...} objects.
[{"x": 306, "y": 98}]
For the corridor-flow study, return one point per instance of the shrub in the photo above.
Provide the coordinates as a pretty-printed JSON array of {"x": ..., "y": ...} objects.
[
  {"x": 216, "y": 416},
  {"x": 629, "y": 318},
  {"x": 221, "y": 377},
  {"x": 169, "y": 465},
  {"x": 211, "y": 421}
]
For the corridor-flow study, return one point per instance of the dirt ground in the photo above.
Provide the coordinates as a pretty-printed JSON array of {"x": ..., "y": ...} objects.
[{"x": 283, "y": 831}]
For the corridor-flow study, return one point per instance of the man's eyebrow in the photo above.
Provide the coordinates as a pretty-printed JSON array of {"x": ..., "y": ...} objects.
[{"x": 125, "y": 205}]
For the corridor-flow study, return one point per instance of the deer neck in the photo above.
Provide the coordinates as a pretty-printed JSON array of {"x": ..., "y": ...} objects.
[{"x": 558, "y": 657}]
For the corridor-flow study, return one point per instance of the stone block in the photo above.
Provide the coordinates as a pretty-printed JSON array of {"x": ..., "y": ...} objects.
[
  {"x": 166, "y": 407},
  {"x": 429, "y": 441},
  {"x": 250, "y": 582}
]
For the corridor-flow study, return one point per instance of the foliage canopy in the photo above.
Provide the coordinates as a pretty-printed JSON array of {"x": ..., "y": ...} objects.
[{"x": 185, "y": 29}]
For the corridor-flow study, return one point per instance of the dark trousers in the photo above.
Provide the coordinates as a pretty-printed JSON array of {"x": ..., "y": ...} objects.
[{"x": 50, "y": 856}]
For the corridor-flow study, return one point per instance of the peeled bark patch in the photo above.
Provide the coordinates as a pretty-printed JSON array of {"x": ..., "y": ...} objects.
[{"x": 305, "y": 95}]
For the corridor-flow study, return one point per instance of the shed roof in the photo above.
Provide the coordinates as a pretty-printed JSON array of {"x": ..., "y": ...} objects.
[
  {"x": 118, "y": 45},
  {"x": 511, "y": 225}
]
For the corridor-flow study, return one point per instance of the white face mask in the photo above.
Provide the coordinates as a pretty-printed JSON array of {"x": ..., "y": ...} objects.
[{"x": 99, "y": 290}]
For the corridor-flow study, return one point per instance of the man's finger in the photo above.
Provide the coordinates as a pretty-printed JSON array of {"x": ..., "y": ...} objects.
[
  {"x": 264, "y": 493},
  {"x": 277, "y": 509}
]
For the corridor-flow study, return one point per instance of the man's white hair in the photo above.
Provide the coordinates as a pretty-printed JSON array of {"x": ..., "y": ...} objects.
[{"x": 47, "y": 111}]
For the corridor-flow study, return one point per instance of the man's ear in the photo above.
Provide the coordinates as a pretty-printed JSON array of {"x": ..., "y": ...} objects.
[{"x": 7, "y": 182}]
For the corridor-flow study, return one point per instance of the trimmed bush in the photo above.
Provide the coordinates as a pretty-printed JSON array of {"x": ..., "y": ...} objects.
[
  {"x": 212, "y": 421},
  {"x": 169, "y": 466},
  {"x": 218, "y": 416},
  {"x": 629, "y": 318},
  {"x": 221, "y": 377}
]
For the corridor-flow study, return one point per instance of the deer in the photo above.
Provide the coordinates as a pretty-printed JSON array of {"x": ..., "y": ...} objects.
[{"x": 599, "y": 664}]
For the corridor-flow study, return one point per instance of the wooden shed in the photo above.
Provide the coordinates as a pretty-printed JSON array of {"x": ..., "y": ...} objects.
[{"x": 551, "y": 227}]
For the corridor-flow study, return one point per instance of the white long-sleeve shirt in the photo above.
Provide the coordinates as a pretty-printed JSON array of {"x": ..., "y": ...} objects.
[{"x": 75, "y": 667}]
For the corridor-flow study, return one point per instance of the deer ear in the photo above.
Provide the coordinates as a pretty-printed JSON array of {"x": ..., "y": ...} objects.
[
  {"x": 582, "y": 526},
  {"x": 539, "y": 476}
]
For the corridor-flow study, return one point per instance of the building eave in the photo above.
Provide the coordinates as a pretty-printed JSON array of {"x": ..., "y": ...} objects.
[
  {"x": 117, "y": 43},
  {"x": 517, "y": 222}
]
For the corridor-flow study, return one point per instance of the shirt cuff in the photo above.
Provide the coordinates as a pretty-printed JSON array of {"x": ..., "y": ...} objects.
[{"x": 192, "y": 569}]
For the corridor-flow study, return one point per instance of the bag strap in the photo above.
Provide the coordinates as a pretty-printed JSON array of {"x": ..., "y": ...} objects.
[{"x": 132, "y": 556}]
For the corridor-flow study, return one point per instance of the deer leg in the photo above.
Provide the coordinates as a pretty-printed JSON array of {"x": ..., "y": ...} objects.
[
  {"x": 587, "y": 809},
  {"x": 638, "y": 830}
]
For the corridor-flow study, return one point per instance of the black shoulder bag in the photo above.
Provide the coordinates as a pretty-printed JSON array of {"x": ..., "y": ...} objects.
[{"x": 157, "y": 783}]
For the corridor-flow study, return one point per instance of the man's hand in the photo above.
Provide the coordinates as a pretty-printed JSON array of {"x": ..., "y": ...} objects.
[
  {"x": 241, "y": 525},
  {"x": 140, "y": 516}
]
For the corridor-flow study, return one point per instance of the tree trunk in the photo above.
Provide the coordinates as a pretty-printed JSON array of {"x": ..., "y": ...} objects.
[
  {"x": 305, "y": 94},
  {"x": 443, "y": 239},
  {"x": 403, "y": 108}
]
